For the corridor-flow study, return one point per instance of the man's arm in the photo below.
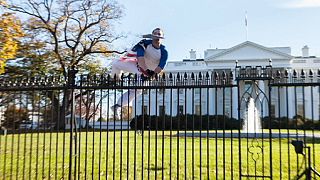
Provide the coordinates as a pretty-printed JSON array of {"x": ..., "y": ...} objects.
[{"x": 163, "y": 60}]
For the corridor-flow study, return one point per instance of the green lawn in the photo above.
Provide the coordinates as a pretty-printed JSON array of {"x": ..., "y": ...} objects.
[{"x": 154, "y": 155}]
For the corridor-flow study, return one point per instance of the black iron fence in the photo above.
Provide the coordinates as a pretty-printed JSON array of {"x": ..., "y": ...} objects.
[{"x": 250, "y": 122}]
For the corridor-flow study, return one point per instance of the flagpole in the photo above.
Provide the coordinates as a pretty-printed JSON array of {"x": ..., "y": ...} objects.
[{"x": 246, "y": 24}]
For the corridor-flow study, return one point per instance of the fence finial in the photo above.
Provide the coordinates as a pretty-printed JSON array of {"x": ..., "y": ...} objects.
[{"x": 310, "y": 73}]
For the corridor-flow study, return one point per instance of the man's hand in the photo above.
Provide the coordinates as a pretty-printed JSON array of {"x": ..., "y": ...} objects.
[
  {"x": 158, "y": 70},
  {"x": 150, "y": 72}
]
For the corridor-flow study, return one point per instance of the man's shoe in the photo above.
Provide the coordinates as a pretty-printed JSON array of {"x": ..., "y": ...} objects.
[{"x": 116, "y": 111}]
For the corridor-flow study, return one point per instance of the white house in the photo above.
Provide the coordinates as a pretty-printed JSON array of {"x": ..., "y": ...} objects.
[{"x": 247, "y": 54}]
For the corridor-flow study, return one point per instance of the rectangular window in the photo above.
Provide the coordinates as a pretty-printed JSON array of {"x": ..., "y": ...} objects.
[
  {"x": 181, "y": 91},
  {"x": 300, "y": 109},
  {"x": 197, "y": 91},
  {"x": 318, "y": 110},
  {"x": 198, "y": 110},
  {"x": 161, "y": 110},
  {"x": 273, "y": 110},
  {"x": 161, "y": 91},
  {"x": 145, "y": 110},
  {"x": 145, "y": 92},
  {"x": 181, "y": 108}
]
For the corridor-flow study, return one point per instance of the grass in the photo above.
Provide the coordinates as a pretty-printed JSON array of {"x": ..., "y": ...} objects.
[{"x": 155, "y": 154}]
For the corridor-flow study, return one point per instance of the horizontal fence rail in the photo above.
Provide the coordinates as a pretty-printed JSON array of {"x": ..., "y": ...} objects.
[{"x": 249, "y": 122}]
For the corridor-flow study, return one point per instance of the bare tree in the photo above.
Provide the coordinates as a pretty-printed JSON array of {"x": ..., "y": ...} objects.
[{"x": 75, "y": 30}]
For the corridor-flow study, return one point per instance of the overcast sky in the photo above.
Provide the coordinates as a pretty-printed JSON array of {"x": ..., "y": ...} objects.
[{"x": 203, "y": 24}]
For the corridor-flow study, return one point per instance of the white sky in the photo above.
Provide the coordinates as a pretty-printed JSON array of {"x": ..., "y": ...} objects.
[{"x": 204, "y": 24}]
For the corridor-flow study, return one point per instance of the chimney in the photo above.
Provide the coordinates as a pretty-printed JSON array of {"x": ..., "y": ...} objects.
[
  {"x": 305, "y": 51},
  {"x": 193, "y": 55}
]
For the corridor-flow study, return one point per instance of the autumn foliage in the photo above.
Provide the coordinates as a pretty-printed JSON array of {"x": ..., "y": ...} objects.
[{"x": 10, "y": 32}]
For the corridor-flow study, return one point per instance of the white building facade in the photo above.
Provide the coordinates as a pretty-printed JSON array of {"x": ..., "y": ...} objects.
[{"x": 302, "y": 101}]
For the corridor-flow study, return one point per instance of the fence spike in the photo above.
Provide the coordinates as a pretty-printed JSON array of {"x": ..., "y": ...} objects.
[
  {"x": 207, "y": 75},
  {"x": 108, "y": 78},
  {"x": 310, "y": 73},
  {"x": 295, "y": 73},
  {"x": 200, "y": 75},
  {"x": 303, "y": 74},
  {"x": 135, "y": 77},
  {"x": 216, "y": 75},
  {"x": 156, "y": 77},
  {"x": 101, "y": 79},
  {"x": 51, "y": 80},
  {"x": 231, "y": 75},
  {"x": 185, "y": 76},
  {"x": 163, "y": 76},
  {"x": 192, "y": 76},
  {"x": 278, "y": 74},
  {"x": 224, "y": 75},
  {"x": 286, "y": 73}
]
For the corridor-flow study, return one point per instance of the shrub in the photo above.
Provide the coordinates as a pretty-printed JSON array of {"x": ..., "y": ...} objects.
[{"x": 184, "y": 122}]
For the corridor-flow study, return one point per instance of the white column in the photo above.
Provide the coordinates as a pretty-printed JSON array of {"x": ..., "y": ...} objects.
[{"x": 235, "y": 102}]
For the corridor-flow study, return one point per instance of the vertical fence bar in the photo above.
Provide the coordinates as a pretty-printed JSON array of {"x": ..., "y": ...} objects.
[
  {"x": 313, "y": 126},
  {"x": 44, "y": 133},
  {"x": 12, "y": 135},
  {"x": 100, "y": 139},
  {"x": 170, "y": 112},
  {"x": 279, "y": 130},
  {"x": 135, "y": 134},
  {"x": 31, "y": 138},
  {"x": 200, "y": 133},
  {"x": 5, "y": 151},
  {"x": 208, "y": 127},
  {"x": 79, "y": 100},
  {"x": 216, "y": 128},
  {"x": 128, "y": 133},
  {"x": 270, "y": 129},
  {"x": 108, "y": 120},
  {"x": 162, "y": 111},
  {"x": 239, "y": 130},
  {"x": 296, "y": 124},
  {"x": 231, "y": 143},
  {"x": 304, "y": 121},
  {"x": 71, "y": 81},
  {"x": 19, "y": 133},
  {"x": 156, "y": 134},
  {"x": 186, "y": 127},
  {"x": 178, "y": 125},
  {"x": 87, "y": 138},
  {"x": 192, "y": 137},
  {"x": 57, "y": 136},
  {"x": 224, "y": 133},
  {"x": 288, "y": 131},
  {"x": 37, "y": 134},
  {"x": 50, "y": 141},
  {"x": 142, "y": 131},
  {"x": 1, "y": 137}
]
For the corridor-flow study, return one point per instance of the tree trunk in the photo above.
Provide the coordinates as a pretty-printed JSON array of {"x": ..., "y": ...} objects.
[{"x": 60, "y": 110}]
